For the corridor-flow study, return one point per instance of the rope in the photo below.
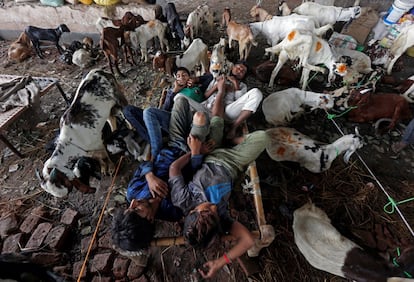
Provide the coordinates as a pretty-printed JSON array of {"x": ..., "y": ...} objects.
[
  {"x": 379, "y": 184},
  {"x": 393, "y": 204},
  {"x": 99, "y": 220},
  {"x": 332, "y": 116},
  {"x": 394, "y": 261}
]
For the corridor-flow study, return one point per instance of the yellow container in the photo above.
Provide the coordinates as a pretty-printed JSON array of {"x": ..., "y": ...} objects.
[
  {"x": 106, "y": 2},
  {"x": 86, "y": 2},
  {"x": 410, "y": 51}
]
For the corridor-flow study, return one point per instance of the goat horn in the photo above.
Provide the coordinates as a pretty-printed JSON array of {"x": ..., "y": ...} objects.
[
  {"x": 348, "y": 154},
  {"x": 378, "y": 122},
  {"x": 357, "y": 131},
  {"x": 40, "y": 177},
  {"x": 53, "y": 175}
]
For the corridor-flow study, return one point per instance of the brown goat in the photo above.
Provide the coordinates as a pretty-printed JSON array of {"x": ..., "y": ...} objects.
[
  {"x": 110, "y": 45},
  {"x": 371, "y": 107},
  {"x": 20, "y": 49},
  {"x": 243, "y": 34},
  {"x": 225, "y": 17}
]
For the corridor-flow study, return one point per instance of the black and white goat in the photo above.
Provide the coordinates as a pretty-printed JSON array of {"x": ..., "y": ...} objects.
[
  {"x": 37, "y": 34},
  {"x": 97, "y": 99},
  {"x": 288, "y": 144},
  {"x": 326, "y": 249}
]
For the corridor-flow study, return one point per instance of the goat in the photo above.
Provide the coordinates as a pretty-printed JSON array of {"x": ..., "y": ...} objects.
[
  {"x": 360, "y": 62},
  {"x": 37, "y": 34},
  {"x": 403, "y": 41},
  {"x": 280, "y": 107},
  {"x": 260, "y": 14},
  {"x": 283, "y": 9},
  {"x": 243, "y": 34},
  {"x": 218, "y": 61},
  {"x": 407, "y": 87},
  {"x": 326, "y": 249},
  {"x": 288, "y": 144},
  {"x": 278, "y": 28},
  {"x": 145, "y": 32},
  {"x": 311, "y": 51},
  {"x": 225, "y": 17},
  {"x": 20, "y": 49},
  {"x": 327, "y": 14},
  {"x": 194, "y": 55},
  {"x": 103, "y": 22},
  {"x": 69, "y": 51},
  {"x": 371, "y": 107},
  {"x": 97, "y": 98},
  {"x": 111, "y": 41},
  {"x": 196, "y": 18},
  {"x": 287, "y": 76},
  {"x": 82, "y": 58}
]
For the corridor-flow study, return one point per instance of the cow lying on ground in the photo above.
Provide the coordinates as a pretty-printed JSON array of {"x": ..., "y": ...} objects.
[
  {"x": 374, "y": 106},
  {"x": 288, "y": 144},
  {"x": 97, "y": 98}
]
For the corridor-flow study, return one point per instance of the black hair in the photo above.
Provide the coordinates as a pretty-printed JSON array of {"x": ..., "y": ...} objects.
[
  {"x": 201, "y": 229},
  {"x": 130, "y": 231},
  {"x": 244, "y": 63},
  {"x": 182, "y": 69}
]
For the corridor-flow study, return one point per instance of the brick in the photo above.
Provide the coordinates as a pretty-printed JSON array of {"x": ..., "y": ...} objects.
[
  {"x": 8, "y": 225},
  {"x": 77, "y": 266},
  {"x": 135, "y": 271},
  {"x": 57, "y": 239},
  {"x": 46, "y": 259},
  {"x": 105, "y": 241},
  {"x": 120, "y": 267},
  {"x": 32, "y": 220},
  {"x": 101, "y": 279},
  {"x": 39, "y": 235},
  {"x": 85, "y": 244},
  {"x": 11, "y": 243},
  {"x": 69, "y": 217},
  {"x": 102, "y": 263}
]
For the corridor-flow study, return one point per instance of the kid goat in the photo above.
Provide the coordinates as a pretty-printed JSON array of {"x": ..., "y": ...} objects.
[
  {"x": 280, "y": 107},
  {"x": 37, "y": 34},
  {"x": 288, "y": 144},
  {"x": 311, "y": 51}
]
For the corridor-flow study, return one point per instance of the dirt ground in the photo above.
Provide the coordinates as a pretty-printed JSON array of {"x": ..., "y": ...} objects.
[{"x": 351, "y": 194}]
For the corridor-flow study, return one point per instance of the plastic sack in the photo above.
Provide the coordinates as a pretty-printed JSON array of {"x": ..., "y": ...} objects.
[
  {"x": 343, "y": 41},
  {"x": 53, "y": 3}
]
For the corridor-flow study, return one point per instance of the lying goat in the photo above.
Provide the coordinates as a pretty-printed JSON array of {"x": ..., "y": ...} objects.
[
  {"x": 37, "y": 34},
  {"x": 20, "y": 49},
  {"x": 372, "y": 107},
  {"x": 288, "y": 144},
  {"x": 243, "y": 34},
  {"x": 97, "y": 99},
  {"x": 403, "y": 41},
  {"x": 311, "y": 51},
  {"x": 326, "y": 249},
  {"x": 280, "y": 107},
  {"x": 328, "y": 14}
]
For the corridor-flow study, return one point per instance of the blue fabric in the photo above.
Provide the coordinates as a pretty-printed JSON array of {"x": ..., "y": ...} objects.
[
  {"x": 135, "y": 117},
  {"x": 216, "y": 193},
  {"x": 157, "y": 122}
]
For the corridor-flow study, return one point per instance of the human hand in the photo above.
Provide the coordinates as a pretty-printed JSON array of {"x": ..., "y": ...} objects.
[
  {"x": 156, "y": 186},
  {"x": 207, "y": 147},
  {"x": 210, "y": 268},
  {"x": 190, "y": 83},
  {"x": 221, "y": 83},
  {"x": 195, "y": 144}
]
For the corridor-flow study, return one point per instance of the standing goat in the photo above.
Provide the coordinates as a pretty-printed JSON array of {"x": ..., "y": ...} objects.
[
  {"x": 260, "y": 14},
  {"x": 111, "y": 41},
  {"x": 243, "y": 34},
  {"x": 280, "y": 107},
  {"x": 288, "y": 144},
  {"x": 311, "y": 51},
  {"x": 37, "y": 34}
]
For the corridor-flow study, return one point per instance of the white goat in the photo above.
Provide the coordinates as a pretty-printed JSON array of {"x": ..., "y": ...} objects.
[
  {"x": 311, "y": 51},
  {"x": 326, "y": 249},
  {"x": 218, "y": 61},
  {"x": 145, "y": 32},
  {"x": 196, "y": 18},
  {"x": 328, "y": 14},
  {"x": 403, "y": 41},
  {"x": 284, "y": 9},
  {"x": 288, "y": 144},
  {"x": 194, "y": 55},
  {"x": 280, "y": 107},
  {"x": 360, "y": 61},
  {"x": 82, "y": 58},
  {"x": 103, "y": 22},
  {"x": 278, "y": 28},
  {"x": 408, "y": 94}
]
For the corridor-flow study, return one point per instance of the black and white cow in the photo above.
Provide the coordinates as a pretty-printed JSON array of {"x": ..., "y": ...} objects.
[{"x": 97, "y": 98}]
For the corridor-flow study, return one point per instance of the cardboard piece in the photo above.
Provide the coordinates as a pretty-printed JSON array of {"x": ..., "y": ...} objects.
[{"x": 361, "y": 27}]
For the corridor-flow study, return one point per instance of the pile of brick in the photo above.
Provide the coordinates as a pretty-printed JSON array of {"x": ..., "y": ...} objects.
[{"x": 49, "y": 241}]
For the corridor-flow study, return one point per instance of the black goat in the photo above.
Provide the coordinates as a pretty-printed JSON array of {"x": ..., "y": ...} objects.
[{"x": 37, "y": 34}]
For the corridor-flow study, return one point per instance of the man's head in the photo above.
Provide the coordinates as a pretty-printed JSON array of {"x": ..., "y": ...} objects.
[
  {"x": 201, "y": 126},
  {"x": 239, "y": 70},
  {"x": 131, "y": 231},
  {"x": 182, "y": 75},
  {"x": 202, "y": 225}
]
